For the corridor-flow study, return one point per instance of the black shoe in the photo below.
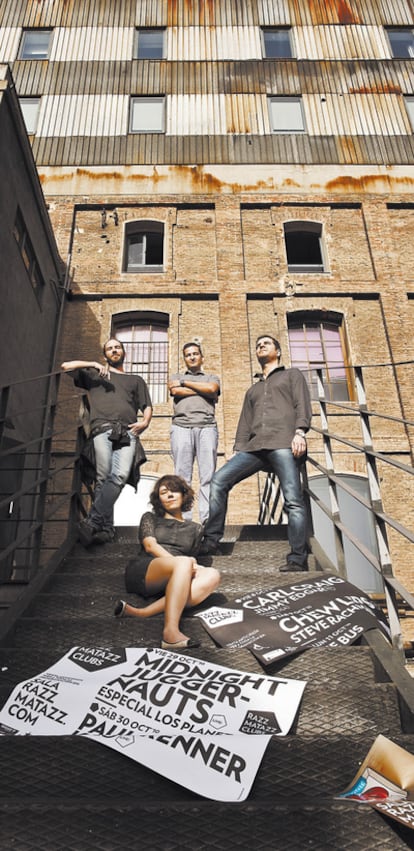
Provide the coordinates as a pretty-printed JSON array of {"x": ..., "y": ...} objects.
[
  {"x": 86, "y": 533},
  {"x": 293, "y": 567},
  {"x": 119, "y": 609},
  {"x": 103, "y": 536},
  {"x": 209, "y": 548}
]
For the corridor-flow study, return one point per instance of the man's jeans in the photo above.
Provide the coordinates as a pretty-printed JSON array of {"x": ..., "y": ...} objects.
[
  {"x": 243, "y": 465},
  {"x": 112, "y": 470},
  {"x": 188, "y": 444}
]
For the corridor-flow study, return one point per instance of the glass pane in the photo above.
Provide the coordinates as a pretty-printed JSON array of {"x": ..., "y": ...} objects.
[
  {"x": 147, "y": 115},
  {"x": 136, "y": 251},
  {"x": 35, "y": 44},
  {"x": 402, "y": 43},
  {"x": 409, "y": 102},
  {"x": 277, "y": 44},
  {"x": 286, "y": 115},
  {"x": 30, "y": 109},
  {"x": 315, "y": 346},
  {"x": 146, "y": 348},
  {"x": 150, "y": 44}
]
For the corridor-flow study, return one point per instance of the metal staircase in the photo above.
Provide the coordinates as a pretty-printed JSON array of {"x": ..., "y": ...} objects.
[{"x": 73, "y": 794}]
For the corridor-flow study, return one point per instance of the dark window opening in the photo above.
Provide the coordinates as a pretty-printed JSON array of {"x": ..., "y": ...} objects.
[{"x": 303, "y": 247}]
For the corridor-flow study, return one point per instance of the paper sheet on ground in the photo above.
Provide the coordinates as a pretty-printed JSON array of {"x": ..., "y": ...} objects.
[
  {"x": 201, "y": 725},
  {"x": 282, "y": 620}
]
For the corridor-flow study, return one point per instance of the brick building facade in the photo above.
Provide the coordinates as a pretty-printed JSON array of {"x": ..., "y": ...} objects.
[{"x": 224, "y": 170}]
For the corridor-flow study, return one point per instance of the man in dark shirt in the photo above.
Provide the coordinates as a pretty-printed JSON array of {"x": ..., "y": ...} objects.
[
  {"x": 275, "y": 417},
  {"x": 115, "y": 397}
]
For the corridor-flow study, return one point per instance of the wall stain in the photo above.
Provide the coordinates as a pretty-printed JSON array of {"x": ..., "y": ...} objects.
[
  {"x": 366, "y": 182},
  {"x": 346, "y": 15},
  {"x": 205, "y": 182},
  {"x": 376, "y": 90}
]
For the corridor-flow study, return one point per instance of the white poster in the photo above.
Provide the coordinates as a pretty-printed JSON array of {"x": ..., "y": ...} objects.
[{"x": 201, "y": 725}]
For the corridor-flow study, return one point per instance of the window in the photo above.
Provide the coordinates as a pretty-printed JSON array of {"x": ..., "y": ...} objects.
[
  {"x": 402, "y": 43},
  {"x": 144, "y": 247},
  {"x": 276, "y": 43},
  {"x": 30, "y": 111},
  {"x": 145, "y": 337},
  {"x": 409, "y": 103},
  {"x": 303, "y": 242},
  {"x": 27, "y": 253},
  {"x": 317, "y": 342},
  {"x": 286, "y": 115},
  {"x": 35, "y": 44},
  {"x": 147, "y": 115},
  {"x": 149, "y": 44}
]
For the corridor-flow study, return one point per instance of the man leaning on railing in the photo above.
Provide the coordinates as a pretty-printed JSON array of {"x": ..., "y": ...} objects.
[{"x": 115, "y": 397}]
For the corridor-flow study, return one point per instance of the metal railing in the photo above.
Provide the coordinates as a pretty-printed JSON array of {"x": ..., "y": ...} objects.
[
  {"x": 39, "y": 485},
  {"x": 41, "y": 494},
  {"x": 332, "y": 443}
]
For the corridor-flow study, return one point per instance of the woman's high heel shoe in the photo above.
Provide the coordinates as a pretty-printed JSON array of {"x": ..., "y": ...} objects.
[{"x": 119, "y": 609}]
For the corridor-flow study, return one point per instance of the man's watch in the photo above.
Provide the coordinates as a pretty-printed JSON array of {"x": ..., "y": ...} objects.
[
  {"x": 182, "y": 380},
  {"x": 301, "y": 433}
]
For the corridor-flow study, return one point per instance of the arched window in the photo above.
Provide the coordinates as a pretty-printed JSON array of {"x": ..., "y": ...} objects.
[
  {"x": 304, "y": 249},
  {"x": 317, "y": 341},
  {"x": 144, "y": 247},
  {"x": 145, "y": 337}
]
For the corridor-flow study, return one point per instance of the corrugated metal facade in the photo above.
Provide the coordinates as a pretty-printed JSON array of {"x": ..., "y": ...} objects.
[{"x": 214, "y": 80}]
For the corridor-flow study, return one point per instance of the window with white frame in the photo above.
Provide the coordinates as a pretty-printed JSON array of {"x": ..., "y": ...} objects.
[
  {"x": 304, "y": 247},
  {"x": 149, "y": 43},
  {"x": 35, "y": 44},
  {"x": 145, "y": 338},
  {"x": 401, "y": 41},
  {"x": 147, "y": 115},
  {"x": 144, "y": 246},
  {"x": 286, "y": 114},
  {"x": 317, "y": 341},
  {"x": 409, "y": 103},
  {"x": 277, "y": 43},
  {"x": 30, "y": 112}
]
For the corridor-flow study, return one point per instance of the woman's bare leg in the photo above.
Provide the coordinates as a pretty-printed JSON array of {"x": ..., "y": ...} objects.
[{"x": 203, "y": 583}]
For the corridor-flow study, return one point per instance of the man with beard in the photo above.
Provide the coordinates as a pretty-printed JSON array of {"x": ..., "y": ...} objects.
[
  {"x": 271, "y": 435},
  {"x": 115, "y": 397}
]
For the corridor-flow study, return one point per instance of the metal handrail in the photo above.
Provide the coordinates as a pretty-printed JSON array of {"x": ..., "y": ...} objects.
[
  {"x": 323, "y": 438},
  {"x": 31, "y": 494}
]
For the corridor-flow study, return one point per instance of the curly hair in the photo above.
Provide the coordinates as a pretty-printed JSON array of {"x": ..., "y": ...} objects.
[{"x": 176, "y": 484}]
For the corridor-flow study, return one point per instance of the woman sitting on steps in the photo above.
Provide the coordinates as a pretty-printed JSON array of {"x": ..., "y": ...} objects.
[{"x": 166, "y": 562}]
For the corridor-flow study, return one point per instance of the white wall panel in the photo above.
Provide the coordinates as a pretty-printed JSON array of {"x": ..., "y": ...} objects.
[
  {"x": 199, "y": 43},
  {"x": 358, "y": 114},
  {"x": 9, "y": 43},
  {"x": 83, "y": 115},
  {"x": 219, "y": 114},
  {"x": 341, "y": 42},
  {"x": 92, "y": 44}
]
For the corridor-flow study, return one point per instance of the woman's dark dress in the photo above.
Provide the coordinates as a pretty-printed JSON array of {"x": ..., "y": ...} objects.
[{"x": 180, "y": 538}]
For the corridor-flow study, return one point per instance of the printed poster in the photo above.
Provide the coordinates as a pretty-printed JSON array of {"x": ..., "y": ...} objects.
[
  {"x": 385, "y": 781},
  {"x": 201, "y": 725},
  {"x": 280, "y": 621}
]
